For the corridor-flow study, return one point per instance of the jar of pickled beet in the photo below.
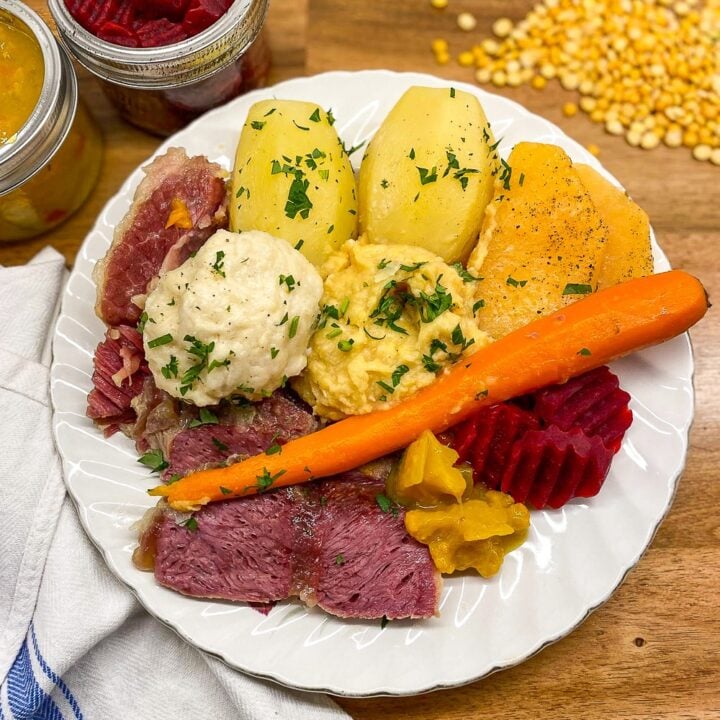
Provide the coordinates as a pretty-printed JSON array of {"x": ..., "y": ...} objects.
[
  {"x": 50, "y": 148},
  {"x": 164, "y": 62}
]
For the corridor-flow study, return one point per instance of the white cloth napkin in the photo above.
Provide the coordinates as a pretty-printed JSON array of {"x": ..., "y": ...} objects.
[{"x": 74, "y": 643}]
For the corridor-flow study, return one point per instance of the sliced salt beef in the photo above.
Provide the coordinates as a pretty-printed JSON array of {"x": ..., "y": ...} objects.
[
  {"x": 143, "y": 247},
  {"x": 369, "y": 567},
  {"x": 119, "y": 373},
  {"x": 239, "y": 433},
  {"x": 328, "y": 543}
]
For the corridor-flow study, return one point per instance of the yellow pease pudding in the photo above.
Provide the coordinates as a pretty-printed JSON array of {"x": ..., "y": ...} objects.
[
  {"x": 392, "y": 318},
  {"x": 50, "y": 148}
]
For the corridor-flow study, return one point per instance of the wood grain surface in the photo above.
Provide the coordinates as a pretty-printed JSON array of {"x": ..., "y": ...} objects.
[{"x": 653, "y": 651}]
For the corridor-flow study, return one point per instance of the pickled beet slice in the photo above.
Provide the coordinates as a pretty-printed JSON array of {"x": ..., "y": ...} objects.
[
  {"x": 201, "y": 14},
  {"x": 118, "y": 34},
  {"x": 487, "y": 437},
  {"x": 81, "y": 10},
  {"x": 156, "y": 9},
  {"x": 593, "y": 401},
  {"x": 551, "y": 466},
  {"x": 156, "y": 33}
]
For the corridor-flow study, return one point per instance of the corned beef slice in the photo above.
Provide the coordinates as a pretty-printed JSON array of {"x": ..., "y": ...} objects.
[
  {"x": 327, "y": 543},
  {"x": 142, "y": 246},
  {"x": 119, "y": 371},
  {"x": 240, "y": 432}
]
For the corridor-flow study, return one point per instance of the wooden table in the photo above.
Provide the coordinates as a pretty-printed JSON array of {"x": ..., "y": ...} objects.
[{"x": 652, "y": 651}]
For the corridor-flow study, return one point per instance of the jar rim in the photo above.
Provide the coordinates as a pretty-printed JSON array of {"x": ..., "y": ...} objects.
[
  {"x": 166, "y": 66},
  {"x": 44, "y": 131}
]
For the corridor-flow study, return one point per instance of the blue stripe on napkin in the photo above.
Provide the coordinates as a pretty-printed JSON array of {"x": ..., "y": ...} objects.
[{"x": 26, "y": 698}]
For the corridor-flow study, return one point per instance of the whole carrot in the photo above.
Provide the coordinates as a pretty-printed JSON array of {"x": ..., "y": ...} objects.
[{"x": 589, "y": 333}]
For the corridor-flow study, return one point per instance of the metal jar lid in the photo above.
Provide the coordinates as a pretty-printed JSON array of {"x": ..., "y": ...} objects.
[
  {"x": 167, "y": 66},
  {"x": 45, "y": 130}
]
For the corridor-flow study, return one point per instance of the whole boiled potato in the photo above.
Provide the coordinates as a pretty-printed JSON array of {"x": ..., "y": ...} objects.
[
  {"x": 293, "y": 179},
  {"x": 428, "y": 173}
]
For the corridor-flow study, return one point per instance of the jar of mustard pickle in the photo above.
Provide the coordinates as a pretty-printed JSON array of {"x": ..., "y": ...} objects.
[
  {"x": 162, "y": 88},
  {"x": 50, "y": 149}
]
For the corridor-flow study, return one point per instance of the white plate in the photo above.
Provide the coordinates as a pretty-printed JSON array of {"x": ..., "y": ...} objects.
[{"x": 573, "y": 560}]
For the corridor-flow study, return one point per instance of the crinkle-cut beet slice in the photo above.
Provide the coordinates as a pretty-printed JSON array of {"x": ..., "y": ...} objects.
[
  {"x": 118, "y": 34},
  {"x": 551, "y": 466},
  {"x": 161, "y": 32},
  {"x": 201, "y": 14},
  {"x": 593, "y": 401},
  {"x": 125, "y": 14},
  {"x": 487, "y": 438}
]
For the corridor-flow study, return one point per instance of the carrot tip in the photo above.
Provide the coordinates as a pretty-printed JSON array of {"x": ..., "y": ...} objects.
[{"x": 159, "y": 490}]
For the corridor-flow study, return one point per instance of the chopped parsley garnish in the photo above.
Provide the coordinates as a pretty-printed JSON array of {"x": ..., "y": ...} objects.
[
  {"x": 330, "y": 117},
  {"x": 383, "y": 264},
  {"x": 431, "y": 365},
  {"x": 386, "y": 505},
  {"x": 173, "y": 478},
  {"x": 353, "y": 149},
  {"x": 257, "y": 124},
  {"x": 219, "y": 444},
  {"x": 288, "y": 280},
  {"x": 324, "y": 173},
  {"x": 190, "y": 524},
  {"x": 202, "y": 352},
  {"x": 265, "y": 481},
  {"x": 345, "y": 345},
  {"x": 384, "y": 184},
  {"x": 464, "y": 274},
  {"x": 399, "y": 371},
  {"x": 315, "y": 117},
  {"x": 431, "y": 306},
  {"x": 301, "y": 127},
  {"x": 276, "y": 168},
  {"x": 521, "y": 180},
  {"x": 162, "y": 340},
  {"x": 453, "y": 163},
  {"x": 577, "y": 289},
  {"x": 240, "y": 191},
  {"x": 327, "y": 311},
  {"x": 481, "y": 394},
  {"x": 427, "y": 176},
  {"x": 207, "y": 417},
  {"x": 155, "y": 460},
  {"x": 293, "y": 327},
  {"x": 283, "y": 321},
  {"x": 412, "y": 154},
  {"x": 142, "y": 322},
  {"x": 298, "y": 202},
  {"x": 273, "y": 353},
  {"x": 477, "y": 305},
  {"x": 299, "y": 244},
  {"x": 217, "y": 266},
  {"x": 505, "y": 175},
  {"x": 385, "y": 386},
  {"x": 412, "y": 268},
  {"x": 340, "y": 559},
  {"x": 459, "y": 339},
  {"x": 270, "y": 112},
  {"x": 171, "y": 369},
  {"x": 452, "y": 92},
  {"x": 275, "y": 447},
  {"x": 224, "y": 490},
  {"x": 390, "y": 307},
  {"x": 516, "y": 283},
  {"x": 372, "y": 337},
  {"x": 584, "y": 351}
]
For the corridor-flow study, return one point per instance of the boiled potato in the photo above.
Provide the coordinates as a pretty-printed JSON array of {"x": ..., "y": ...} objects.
[
  {"x": 293, "y": 179},
  {"x": 428, "y": 172},
  {"x": 542, "y": 241},
  {"x": 628, "y": 253}
]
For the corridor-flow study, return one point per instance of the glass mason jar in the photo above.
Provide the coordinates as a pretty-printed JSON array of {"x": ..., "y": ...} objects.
[
  {"x": 161, "y": 89},
  {"x": 52, "y": 162}
]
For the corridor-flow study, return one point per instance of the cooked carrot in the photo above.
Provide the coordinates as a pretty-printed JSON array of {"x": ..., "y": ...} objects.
[{"x": 580, "y": 337}]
